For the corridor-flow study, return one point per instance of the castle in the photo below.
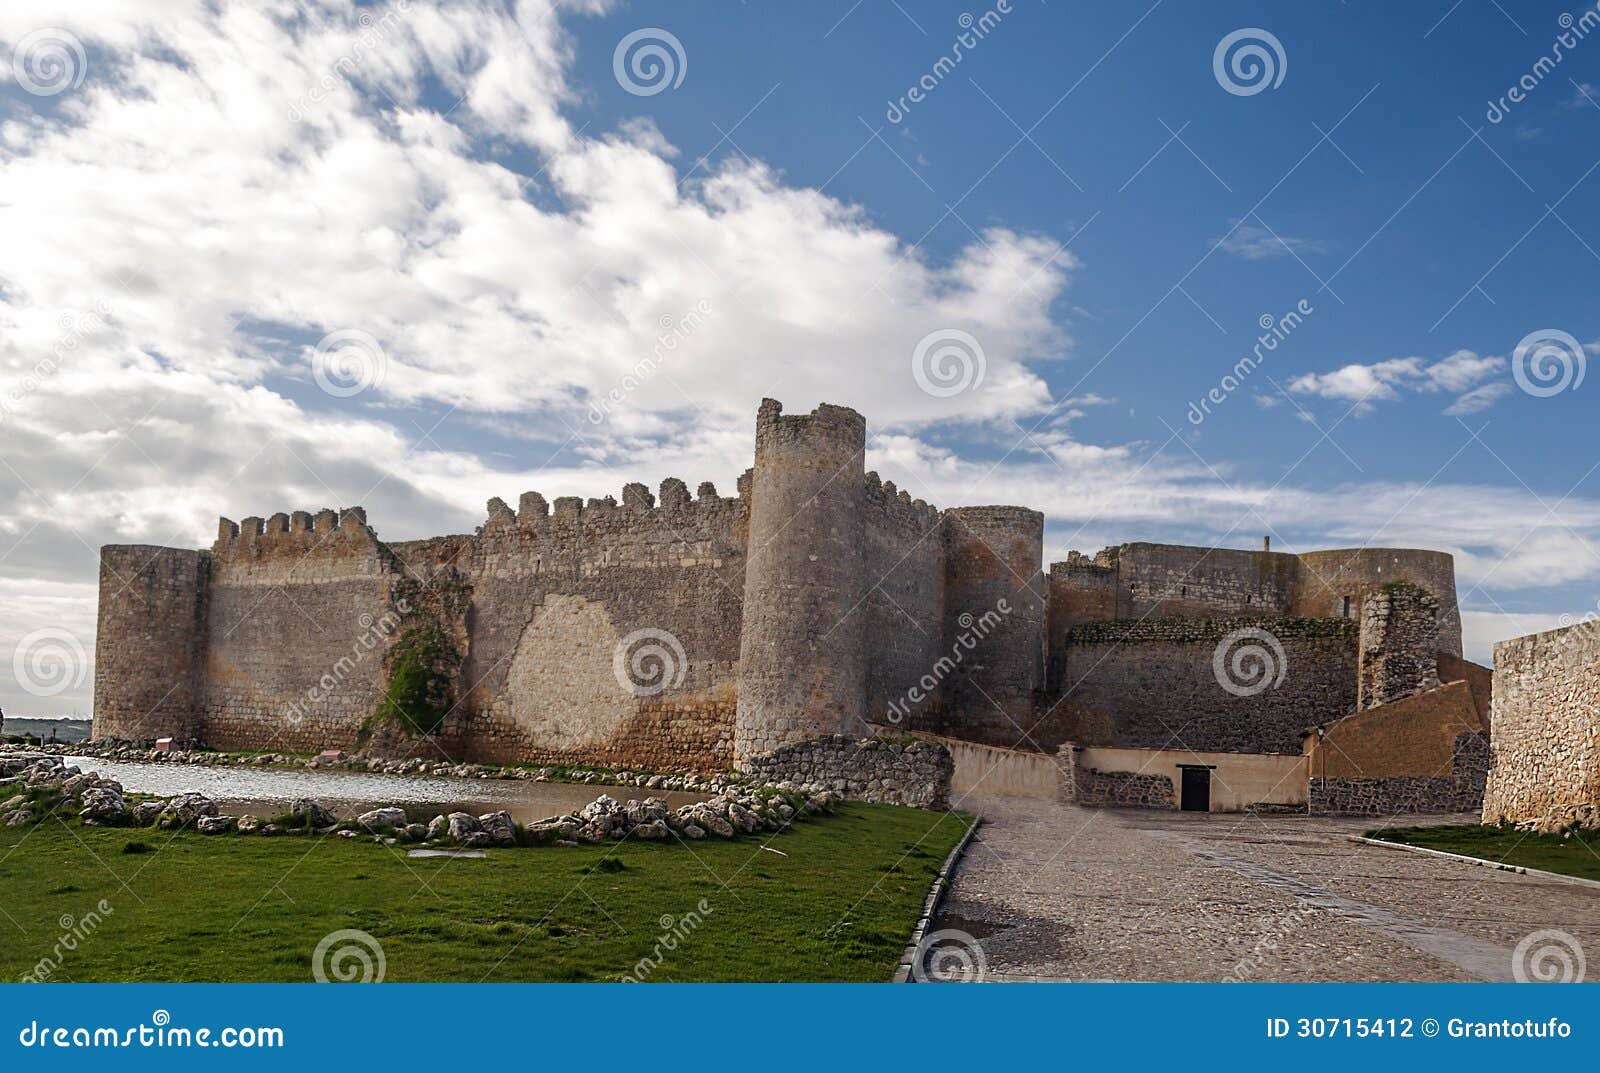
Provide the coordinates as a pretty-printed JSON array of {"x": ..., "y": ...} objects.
[{"x": 688, "y": 633}]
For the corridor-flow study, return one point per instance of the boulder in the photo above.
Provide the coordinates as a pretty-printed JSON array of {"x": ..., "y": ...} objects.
[
  {"x": 147, "y": 812},
  {"x": 319, "y": 815},
  {"x": 381, "y": 818},
  {"x": 415, "y": 832},
  {"x": 653, "y": 831},
  {"x": 185, "y": 809},
  {"x": 438, "y": 827},
  {"x": 103, "y": 808},
  {"x": 248, "y": 824},
  {"x": 215, "y": 825},
  {"x": 499, "y": 827},
  {"x": 463, "y": 824}
]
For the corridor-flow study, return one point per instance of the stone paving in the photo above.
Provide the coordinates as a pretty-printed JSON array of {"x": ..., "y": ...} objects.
[{"x": 1057, "y": 892}]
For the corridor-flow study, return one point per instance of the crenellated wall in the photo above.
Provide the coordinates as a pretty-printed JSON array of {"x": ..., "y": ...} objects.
[{"x": 677, "y": 631}]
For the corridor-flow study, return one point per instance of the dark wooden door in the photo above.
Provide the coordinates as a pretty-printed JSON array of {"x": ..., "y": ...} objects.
[{"x": 1196, "y": 789}]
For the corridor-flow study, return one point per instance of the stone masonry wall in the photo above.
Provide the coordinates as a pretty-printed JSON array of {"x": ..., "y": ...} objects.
[
  {"x": 1159, "y": 680},
  {"x": 802, "y": 657},
  {"x": 904, "y": 602},
  {"x": 1083, "y": 785},
  {"x": 1398, "y": 795},
  {"x": 915, "y": 773},
  {"x": 1546, "y": 740},
  {"x": 1399, "y": 644},
  {"x": 600, "y": 632},
  {"x": 150, "y": 660}
]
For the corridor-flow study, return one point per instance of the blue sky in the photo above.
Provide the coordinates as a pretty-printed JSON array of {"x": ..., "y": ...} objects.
[{"x": 462, "y": 212}]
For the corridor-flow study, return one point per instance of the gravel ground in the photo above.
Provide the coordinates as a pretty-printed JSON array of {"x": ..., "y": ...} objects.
[{"x": 1055, "y": 892}]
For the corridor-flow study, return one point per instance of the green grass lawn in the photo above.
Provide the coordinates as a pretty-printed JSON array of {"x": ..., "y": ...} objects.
[
  {"x": 838, "y": 905},
  {"x": 1575, "y": 856}
]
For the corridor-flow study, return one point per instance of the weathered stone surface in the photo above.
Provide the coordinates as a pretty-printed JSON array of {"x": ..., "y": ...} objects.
[
  {"x": 499, "y": 828},
  {"x": 867, "y": 769},
  {"x": 215, "y": 825},
  {"x": 103, "y": 807},
  {"x": 1545, "y": 735},
  {"x": 382, "y": 818},
  {"x": 315, "y": 812}
]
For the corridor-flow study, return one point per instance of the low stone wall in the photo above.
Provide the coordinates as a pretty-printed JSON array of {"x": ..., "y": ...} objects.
[
  {"x": 1123, "y": 789},
  {"x": 914, "y": 773},
  {"x": 1460, "y": 791}
]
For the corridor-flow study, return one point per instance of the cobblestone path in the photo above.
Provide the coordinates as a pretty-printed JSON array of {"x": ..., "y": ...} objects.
[{"x": 1052, "y": 891}]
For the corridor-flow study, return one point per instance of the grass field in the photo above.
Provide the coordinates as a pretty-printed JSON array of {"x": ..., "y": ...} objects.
[
  {"x": 838, "y": 904},
  {"x": 1575, "y": 856}
]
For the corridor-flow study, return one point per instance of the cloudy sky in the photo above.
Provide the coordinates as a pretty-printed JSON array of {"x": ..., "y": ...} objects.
[{"x": 302, "y": 253}]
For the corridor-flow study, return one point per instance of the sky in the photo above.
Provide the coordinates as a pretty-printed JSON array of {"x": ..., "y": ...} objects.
[{"x": 1323, "y": 272}]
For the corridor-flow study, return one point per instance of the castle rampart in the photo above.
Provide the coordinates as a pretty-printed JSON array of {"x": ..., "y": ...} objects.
[
  {"x": 802, "y": 665},
  {"x": 664, "y": 630}
]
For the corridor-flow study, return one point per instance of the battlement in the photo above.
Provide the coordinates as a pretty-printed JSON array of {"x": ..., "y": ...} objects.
[
  {"x": 301, "y": 530},
  {"x": 896, "y": 505},
  {"x": 827, "y": 420},
  {"x": 675, "y": 506}
]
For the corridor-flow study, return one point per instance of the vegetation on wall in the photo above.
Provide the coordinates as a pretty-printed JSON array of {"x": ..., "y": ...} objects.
[{"x": 422, "y": 672}]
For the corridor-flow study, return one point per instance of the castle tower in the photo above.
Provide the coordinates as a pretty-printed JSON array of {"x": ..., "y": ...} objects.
[
  {"x": 1399, "y": 644},
  {"x": 994, "y": 619},
  {"x": 150, "y": 649},
  {"x": 802, "y": 658}
]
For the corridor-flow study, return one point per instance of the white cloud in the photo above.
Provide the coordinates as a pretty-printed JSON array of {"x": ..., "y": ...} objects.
[
  {"x": 1461, "y": 373},
  {"x": 1255, "y": 243},
  {"x": 182, "y": 229}
]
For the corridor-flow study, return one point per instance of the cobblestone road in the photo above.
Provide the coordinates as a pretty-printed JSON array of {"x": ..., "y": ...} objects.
[{"x": 1054, "y": 891}]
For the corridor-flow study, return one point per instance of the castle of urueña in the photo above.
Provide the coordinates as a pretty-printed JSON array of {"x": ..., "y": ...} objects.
[{"x": 691, "y": 633}]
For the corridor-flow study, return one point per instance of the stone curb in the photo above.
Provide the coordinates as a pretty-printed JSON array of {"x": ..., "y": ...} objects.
[
  {"x": 1496, "y": 865},
  {"x": 941, "y": 883}
]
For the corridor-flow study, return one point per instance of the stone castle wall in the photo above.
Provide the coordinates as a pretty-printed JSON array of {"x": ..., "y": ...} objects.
[
  {"x": 1399, "y": 644},
  {"x": 149, "y": 659},
  {"x": 1159, "y": 678},
  {"x": 1546, "y": 740},
  {"x": 685, "y": 632}
]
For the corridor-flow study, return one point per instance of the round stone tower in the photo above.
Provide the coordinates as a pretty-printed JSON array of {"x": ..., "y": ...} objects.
[
  {"x": 994, "y": 620},
  {"x": 150, "y": 644},
  {"x": 802, "y": 658}
]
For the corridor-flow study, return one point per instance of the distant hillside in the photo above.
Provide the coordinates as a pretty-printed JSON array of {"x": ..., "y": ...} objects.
[{"x": 68, "y": 730}]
